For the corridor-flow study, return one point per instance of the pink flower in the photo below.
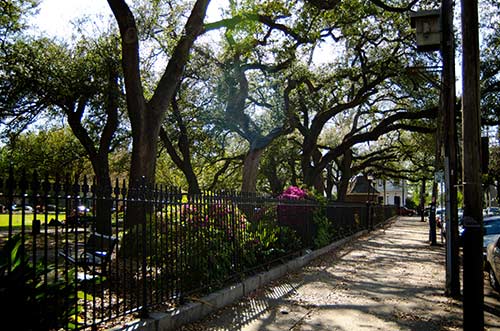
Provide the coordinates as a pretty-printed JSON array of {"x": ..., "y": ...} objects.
[{"x": 293, "y": 193}]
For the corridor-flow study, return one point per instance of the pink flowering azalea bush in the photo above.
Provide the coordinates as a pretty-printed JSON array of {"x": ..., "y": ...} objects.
[
  {"x": 293, "y": 193},
  {"x": 293, "y": 209},
  {"x": 305, "y": 213}
]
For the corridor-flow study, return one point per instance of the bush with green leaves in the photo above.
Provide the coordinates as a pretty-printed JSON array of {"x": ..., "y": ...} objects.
[
  {"x": 208, "y": 245},
  {"x": 266, "y": 240},
  {"x": 36, "y": 296}
]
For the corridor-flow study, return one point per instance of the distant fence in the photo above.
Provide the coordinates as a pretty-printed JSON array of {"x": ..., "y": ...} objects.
[{"x": 74, "y": 258}]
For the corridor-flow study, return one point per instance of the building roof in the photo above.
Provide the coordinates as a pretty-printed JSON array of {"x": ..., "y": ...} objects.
[{"x": 360, "y": 185}]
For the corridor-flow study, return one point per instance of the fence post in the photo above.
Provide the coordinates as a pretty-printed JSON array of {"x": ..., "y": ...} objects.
[
  {"x": 143, "y": 196},
  {"x": 369, "y": 216}
]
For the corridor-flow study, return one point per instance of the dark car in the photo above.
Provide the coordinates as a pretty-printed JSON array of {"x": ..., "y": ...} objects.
[
  {"x": 490, "y": 225},
  {"x": 403, "y": 211},
  {"x": 492, "y": 265},
  {"x": 491, "y": 211}
]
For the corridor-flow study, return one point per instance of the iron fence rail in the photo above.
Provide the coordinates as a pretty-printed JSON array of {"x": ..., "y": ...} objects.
[{"x": 83, "y": 257}]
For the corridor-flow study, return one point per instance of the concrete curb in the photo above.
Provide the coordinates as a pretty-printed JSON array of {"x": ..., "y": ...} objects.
[{"x": 191, "y": 312}]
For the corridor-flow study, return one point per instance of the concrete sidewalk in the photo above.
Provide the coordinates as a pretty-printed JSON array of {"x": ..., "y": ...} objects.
[{"x": 390, "y": 279}]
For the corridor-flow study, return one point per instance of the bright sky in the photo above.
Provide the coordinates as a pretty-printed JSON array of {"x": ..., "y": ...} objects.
[
  {"x": 55, "y": 15},
  {"x": 55, "y": 18}
]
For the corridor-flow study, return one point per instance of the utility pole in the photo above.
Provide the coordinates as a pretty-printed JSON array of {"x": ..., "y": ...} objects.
[
  {"x": 450, "y": 150},
  {"x": 473, "y": 300}
]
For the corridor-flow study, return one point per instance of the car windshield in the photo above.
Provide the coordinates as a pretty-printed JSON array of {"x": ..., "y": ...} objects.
[{"x": 492, "y": 228}]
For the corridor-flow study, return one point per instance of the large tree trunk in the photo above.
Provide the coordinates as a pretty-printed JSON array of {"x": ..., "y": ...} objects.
[
  {"x": 182, "y": 157},
  {"x": 346, "y": 174},
  {"x": 251, "y": 170},
  {"x": 271, "y": 173},
  {"x": 330, "y": 182},
  {"x": 142, "y": 171},
  {"x": 313, "y": 177},
  {"x": 146, "y": 117},
  {"x": 104, "y": 202}
]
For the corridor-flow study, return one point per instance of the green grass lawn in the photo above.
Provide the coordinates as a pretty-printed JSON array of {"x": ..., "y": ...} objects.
[
  {"x": 28, "y": 219},
  {"x": 16, "y": 220}
]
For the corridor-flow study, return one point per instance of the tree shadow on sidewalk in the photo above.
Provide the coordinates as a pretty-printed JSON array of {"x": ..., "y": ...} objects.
[{"x": 391, "y": 279}]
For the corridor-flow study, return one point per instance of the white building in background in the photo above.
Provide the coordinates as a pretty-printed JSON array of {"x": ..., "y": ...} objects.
[{"x": 392, "y": 192}]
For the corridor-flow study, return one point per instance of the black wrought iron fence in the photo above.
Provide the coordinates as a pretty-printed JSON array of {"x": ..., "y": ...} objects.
[{"x": 83, "y": 256}]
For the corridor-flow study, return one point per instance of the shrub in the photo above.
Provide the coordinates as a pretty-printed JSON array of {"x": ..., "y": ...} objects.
[
  {"x": 34, "y": 295},
  {"x": 267, "y": 241},
  {"x": 296, "y": 211}
]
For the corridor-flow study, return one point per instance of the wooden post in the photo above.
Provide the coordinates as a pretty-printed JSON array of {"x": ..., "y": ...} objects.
[
  {"x": 473, "y": 300},
  {"x": 450, "y": 150},
  {"x": 422, "y": 200}
]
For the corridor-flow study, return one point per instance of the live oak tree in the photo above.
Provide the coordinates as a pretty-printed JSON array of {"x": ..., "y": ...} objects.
[
  {"x": 49, "y": 80},
  {"x": 490, "y": 66},
  {"x": 259, "y": 45},
  {"x": 280, "y": 166},
  {"x": 258, "y": 132},
  {"x": 361, "y": 94},
  {"x": 147, "y": 114},
  {"x": 46, "y": 151},
  {"x": 189, "y": 136}
]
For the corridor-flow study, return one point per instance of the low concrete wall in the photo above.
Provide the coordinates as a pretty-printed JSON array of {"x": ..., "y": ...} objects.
[{"x": 191, "y": 312}]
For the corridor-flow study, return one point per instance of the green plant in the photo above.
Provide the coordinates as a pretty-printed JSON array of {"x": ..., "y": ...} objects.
[
  {"x": 35, "y": 295},
  {"x": 323, "y": 234},
  {"x": 267, "y": 241}
]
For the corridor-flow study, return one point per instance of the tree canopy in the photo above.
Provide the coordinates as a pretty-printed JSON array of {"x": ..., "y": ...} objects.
[{"x": 268, "y": 94}]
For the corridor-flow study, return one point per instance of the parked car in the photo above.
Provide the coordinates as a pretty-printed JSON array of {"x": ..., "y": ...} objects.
[
  {"x": 52, "y": 208},
  {"x": 490, "y": 225},
  {"x": 403, "y": 211},
  {"x": 492, "y": 265},
  {"x": 491, "y": 211},
  {"x": 82, "y": 209},
  {"x": 491, "y": 233},
  {"x": 440, "y": 217},
  {"x": 27, "y": 208}
]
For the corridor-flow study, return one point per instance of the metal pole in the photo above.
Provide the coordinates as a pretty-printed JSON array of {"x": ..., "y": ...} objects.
[
  {"x": 473, "y": 300},
  {"x": 450, "y": 151}
]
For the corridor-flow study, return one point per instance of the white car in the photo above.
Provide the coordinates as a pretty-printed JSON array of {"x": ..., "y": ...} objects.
[
  {"x": 27, "y": 208},
  {"x": 491, "y": 234}
]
